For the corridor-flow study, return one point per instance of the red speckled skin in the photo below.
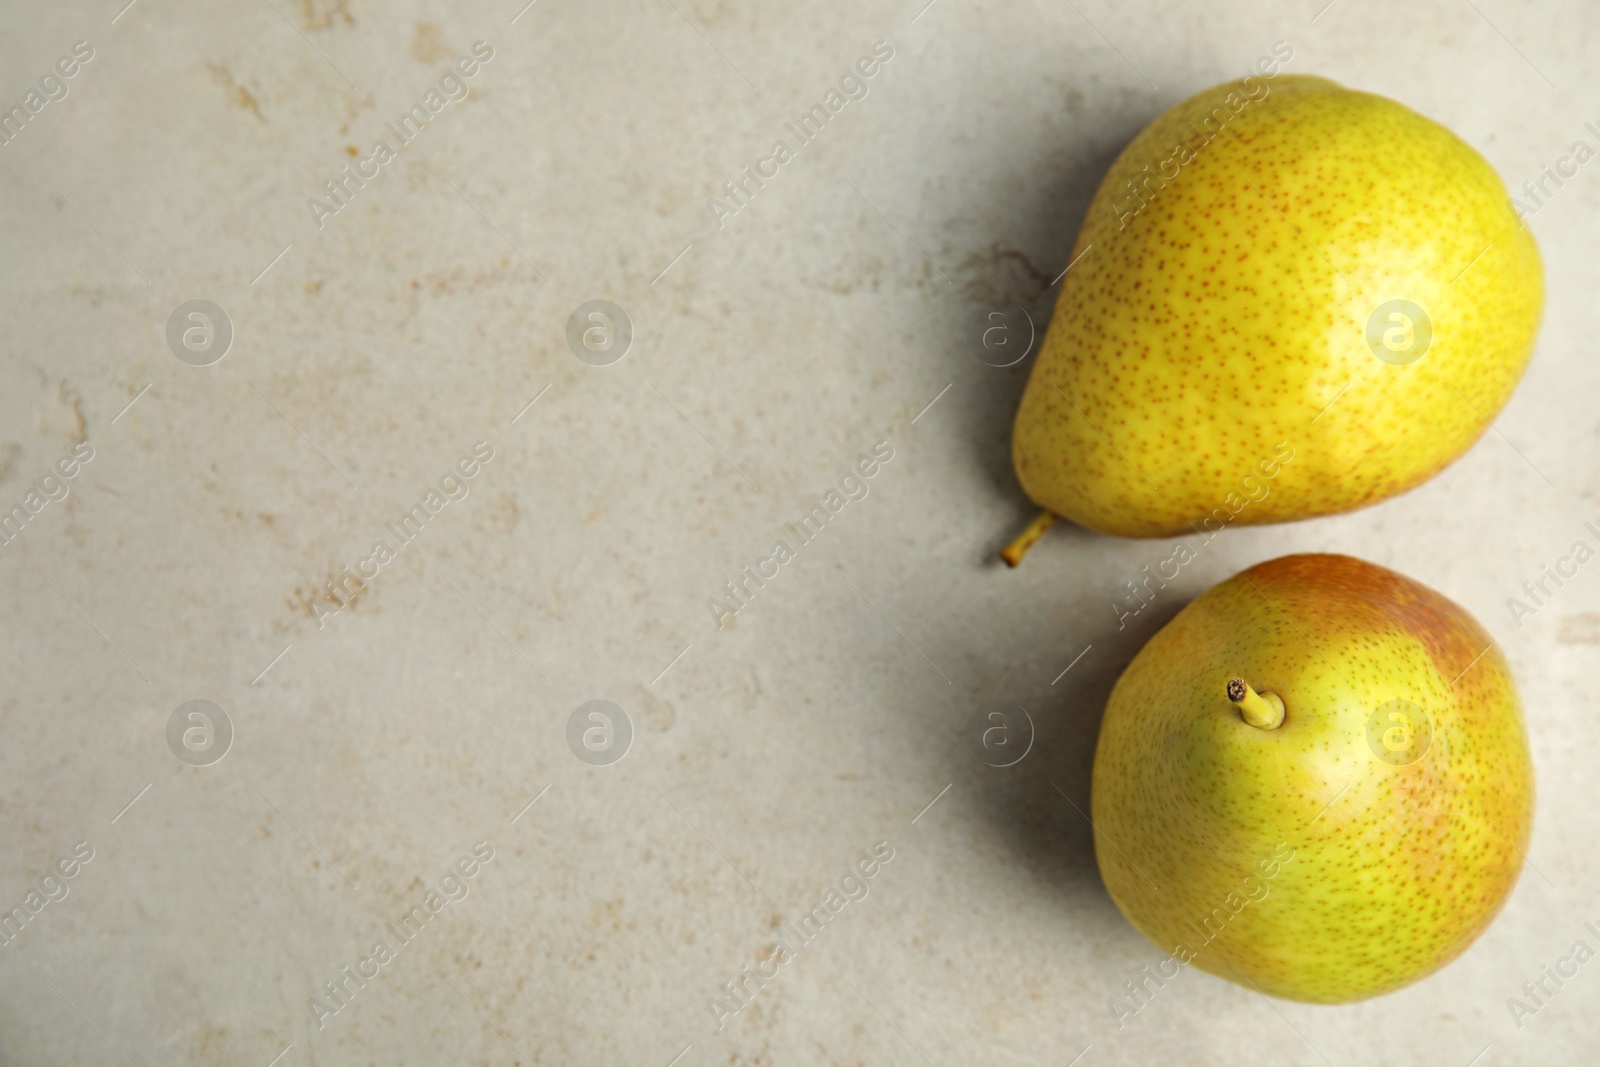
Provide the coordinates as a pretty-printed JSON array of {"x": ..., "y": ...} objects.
[
  {"x": 1229, "y": 314},
  {"x": 1394, "y": 869}
]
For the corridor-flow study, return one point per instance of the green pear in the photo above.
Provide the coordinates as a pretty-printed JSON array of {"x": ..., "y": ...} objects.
[
  {"x": 1276, "y": 263},
  {"x": 1314, "y": 781}
]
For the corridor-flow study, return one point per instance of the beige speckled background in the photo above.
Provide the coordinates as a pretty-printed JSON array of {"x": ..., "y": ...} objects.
[{"x": 390, "y": 737}]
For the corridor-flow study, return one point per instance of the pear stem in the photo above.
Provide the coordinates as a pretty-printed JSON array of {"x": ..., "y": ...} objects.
[
  {"x": 1014, "y": 552},
  {"x": 1263, "y": 710}
]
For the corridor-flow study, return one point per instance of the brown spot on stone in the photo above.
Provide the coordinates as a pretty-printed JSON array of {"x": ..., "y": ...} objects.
[
  {"x": 1583, "y": 629},
  {"x": 318, "y": 600},
  {"x": 426, "y": 45},
  {"x": 321, "y": 14},
  {"x": 240, "y": 96}
]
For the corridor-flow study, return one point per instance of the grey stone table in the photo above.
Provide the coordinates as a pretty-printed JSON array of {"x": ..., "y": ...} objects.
[{"x": 365, "y": 504}]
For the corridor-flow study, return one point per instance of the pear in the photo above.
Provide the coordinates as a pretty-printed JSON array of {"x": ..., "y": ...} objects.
[
  {"x": 1314, "y": 781},
  {"x": 1276, "y": 266}
]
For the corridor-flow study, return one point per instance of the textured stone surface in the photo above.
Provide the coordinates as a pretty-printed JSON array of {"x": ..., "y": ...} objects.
[{"x": 776, "y": 752}]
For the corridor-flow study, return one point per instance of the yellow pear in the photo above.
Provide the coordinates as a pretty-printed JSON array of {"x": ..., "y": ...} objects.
[
  {"x": 1313, "y": 781},
  {"x": 1276, "y": 267}
]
